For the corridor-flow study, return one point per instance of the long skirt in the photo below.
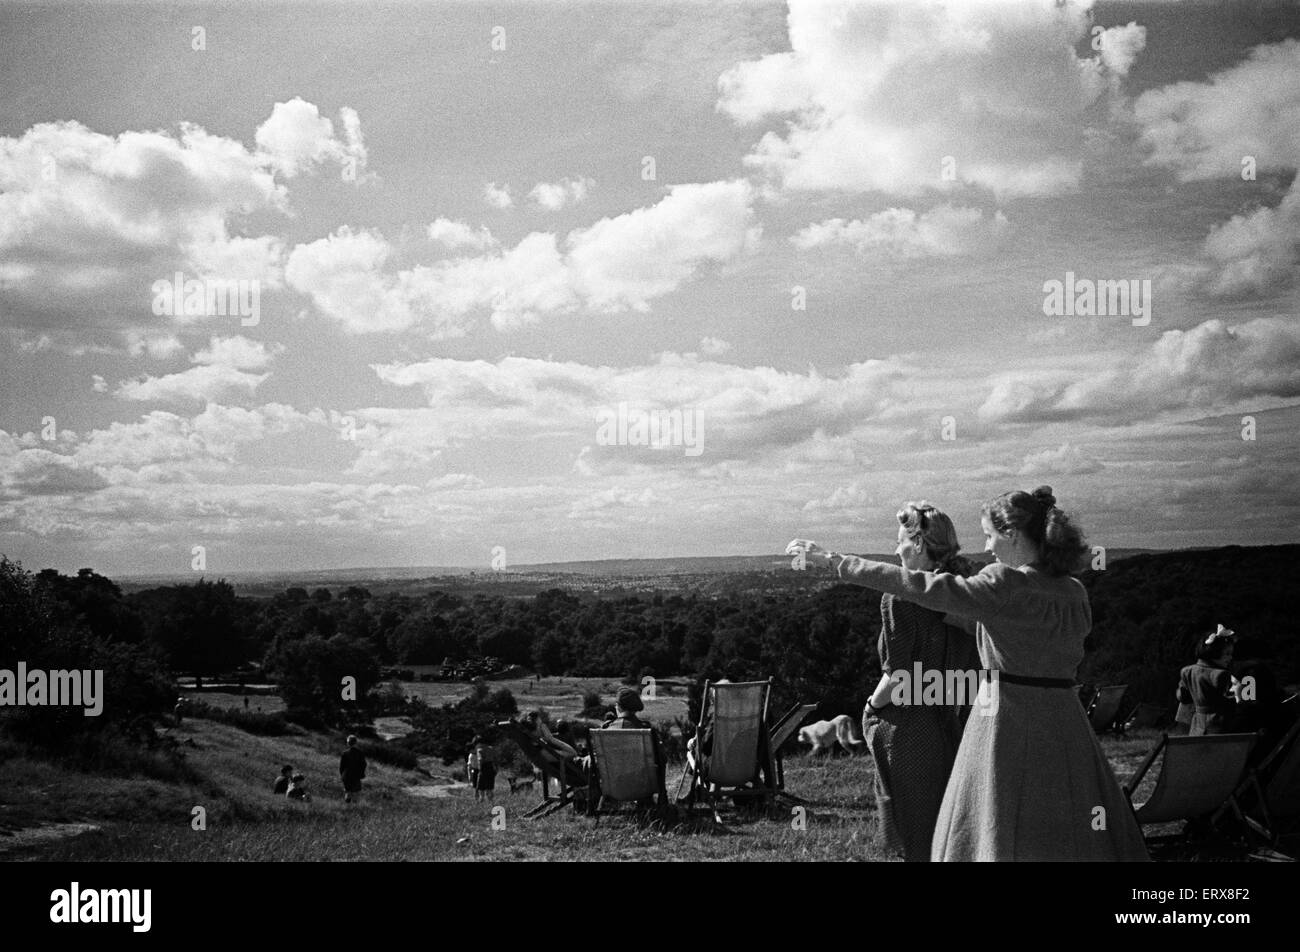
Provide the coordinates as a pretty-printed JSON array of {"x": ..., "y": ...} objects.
[
  {"x": 1031, "y": 783},
  {"x": 914, "y": 748}
]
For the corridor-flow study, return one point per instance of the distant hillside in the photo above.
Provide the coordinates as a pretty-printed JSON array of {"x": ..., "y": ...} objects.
[
  {"x": 528, "y": 577},
  {"x": 1148, "y": 611}
]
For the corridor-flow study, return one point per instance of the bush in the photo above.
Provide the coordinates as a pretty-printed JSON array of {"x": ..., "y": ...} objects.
[
  {"x": 389, "y": 754},
  {"x": 251, "y": 722},
  {"x": 594, "y": 706}
]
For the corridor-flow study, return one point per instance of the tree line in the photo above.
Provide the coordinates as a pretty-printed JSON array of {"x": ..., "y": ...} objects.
[{"x": 817, "y": 641}]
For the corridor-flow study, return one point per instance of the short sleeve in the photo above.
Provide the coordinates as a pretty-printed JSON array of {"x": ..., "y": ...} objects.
[{"x": 898, "y": 634}]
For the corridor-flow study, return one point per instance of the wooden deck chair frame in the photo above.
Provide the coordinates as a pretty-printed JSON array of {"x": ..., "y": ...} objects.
[
  {"x": 782, "y": 731},
  {"x": 1104, "y": 709},
  {"x": 699, "y": 777},
  {"x": 1170, "y": 801},
  {"x": 1276, "y": 773},
  {"x": 1146, "y": 714},
  {"x": 611, "y": 746},
  {"x": 569, "y": 779}
]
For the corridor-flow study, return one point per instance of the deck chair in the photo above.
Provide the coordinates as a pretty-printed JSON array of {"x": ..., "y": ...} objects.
[
  {"x": 1268, "y": 800},
  {"x": 1197, "y": 776},
  {"x": 625, "y": 769},
  {"x": 734, "y": 716},
  {"x": 571, "y": 782},
  {"x": 1104, "y": 709},
  {"x": 782, "y": 731},
  {"x": 1146, "y": 714}
]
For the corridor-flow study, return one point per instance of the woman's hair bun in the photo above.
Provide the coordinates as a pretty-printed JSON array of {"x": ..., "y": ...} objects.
[{"x": 1044, "y": 495}]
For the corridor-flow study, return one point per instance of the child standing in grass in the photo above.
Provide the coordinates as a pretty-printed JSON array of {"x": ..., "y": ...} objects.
[
  {"x": 486, "y": 782},
  {"x": 485, "y": 779},
  {"x": 352, "y": 769}
]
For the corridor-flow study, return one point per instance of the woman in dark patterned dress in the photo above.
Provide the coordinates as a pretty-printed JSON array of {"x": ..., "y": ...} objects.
[
  {"x": 1207, "y": 685},
  {"x": 914, "y": 744}
]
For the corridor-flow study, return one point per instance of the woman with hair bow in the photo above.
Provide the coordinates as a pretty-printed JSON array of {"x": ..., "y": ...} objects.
[{"x": 1207, "y": 685}]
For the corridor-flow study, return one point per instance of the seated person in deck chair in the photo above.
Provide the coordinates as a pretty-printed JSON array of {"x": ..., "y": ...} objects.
[
  {"x": 706, "y": 746},
  {"x": 629, "y": 703},
  {"x": 552, "y": 748}
]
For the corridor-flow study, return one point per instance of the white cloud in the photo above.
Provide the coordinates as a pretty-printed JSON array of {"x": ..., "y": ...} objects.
[
  {"x": 626, "y": 261},
  {"x": 616, "y": 264},
  {"x": 238, "y": 352},
  {"x": 88, "y": 221},
  {"x": 222, "y": 368},
  {"x": 296, "y": 138},
  {"x": 498, "y": 196},
  {"x": 457, "y": 234},
  {"x": 878, "y": 92},
  {"x": 902, "y": 233},
  {"x": 1202, "y": 130},
  {"x": 555, "y": 195},
  {"x": 1205, "y": 131},
  {"x": 1210, "y": 367},
  {"x": 714, "y": 347}
]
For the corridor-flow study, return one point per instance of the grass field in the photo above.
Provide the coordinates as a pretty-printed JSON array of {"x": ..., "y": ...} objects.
[
  {"x": 562, "y": 697},
  {"x": 51, "y": 812}
]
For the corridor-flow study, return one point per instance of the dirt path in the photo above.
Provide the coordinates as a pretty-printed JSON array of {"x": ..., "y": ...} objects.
[{"x": 41, "y": 835}]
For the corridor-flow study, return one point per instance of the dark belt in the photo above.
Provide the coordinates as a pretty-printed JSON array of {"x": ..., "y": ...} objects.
[{"x": 1034, "y": 682}]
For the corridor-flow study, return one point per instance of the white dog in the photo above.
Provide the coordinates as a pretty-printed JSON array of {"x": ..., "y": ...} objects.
[{"x": 824, "y": 734}]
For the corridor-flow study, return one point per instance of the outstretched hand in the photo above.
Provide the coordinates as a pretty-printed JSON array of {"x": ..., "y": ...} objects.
[{"x": 808, "y": 548}]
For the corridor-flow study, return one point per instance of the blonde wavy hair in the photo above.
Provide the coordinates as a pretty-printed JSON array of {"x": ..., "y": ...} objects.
[{"x": 932, "y": 529}]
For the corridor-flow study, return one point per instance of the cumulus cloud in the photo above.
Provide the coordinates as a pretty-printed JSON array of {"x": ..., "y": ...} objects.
[
  {"x": 616, "y": 264},
  {"x": 498, "y": 196},
  {"x": 297, "y": 138},
  {"x": 88, "y": 221},
  {"x": 743, "y": 411},
  {"x": 222, "y": 368},
  {"x": 1204, "y": 130},
  {"x": 87, "y": 218},
  {"x": 879, "y": 92},
  {"x": 1211, "y": 366},
  {"x": 457, "y": 234},
  {"x": 902, "y": 233},
  {"x": 714, "y": 347},
  {"x": 555, "y": 195}
]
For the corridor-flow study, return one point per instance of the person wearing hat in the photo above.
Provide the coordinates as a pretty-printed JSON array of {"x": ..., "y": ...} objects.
[
  {"x": 352, "y": 768},
  {"x": 1207, "y": 685},
  {"x": 629, "y": 703}
]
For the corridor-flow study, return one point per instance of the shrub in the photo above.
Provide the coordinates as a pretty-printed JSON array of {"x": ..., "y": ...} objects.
[
  {"x": 594, "y": 706},
  {"x": 390, "y": 754},
  {"x": 252, "y": 722}
]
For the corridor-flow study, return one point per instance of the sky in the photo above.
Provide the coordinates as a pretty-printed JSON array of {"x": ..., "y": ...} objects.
[{"x": 813, "y": 244}]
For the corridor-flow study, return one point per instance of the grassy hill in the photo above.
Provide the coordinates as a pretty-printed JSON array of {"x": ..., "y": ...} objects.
[{"x": 53, "y": 811}]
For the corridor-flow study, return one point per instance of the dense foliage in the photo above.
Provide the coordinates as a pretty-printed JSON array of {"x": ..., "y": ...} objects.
[{"x": 818, "y": 641}]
